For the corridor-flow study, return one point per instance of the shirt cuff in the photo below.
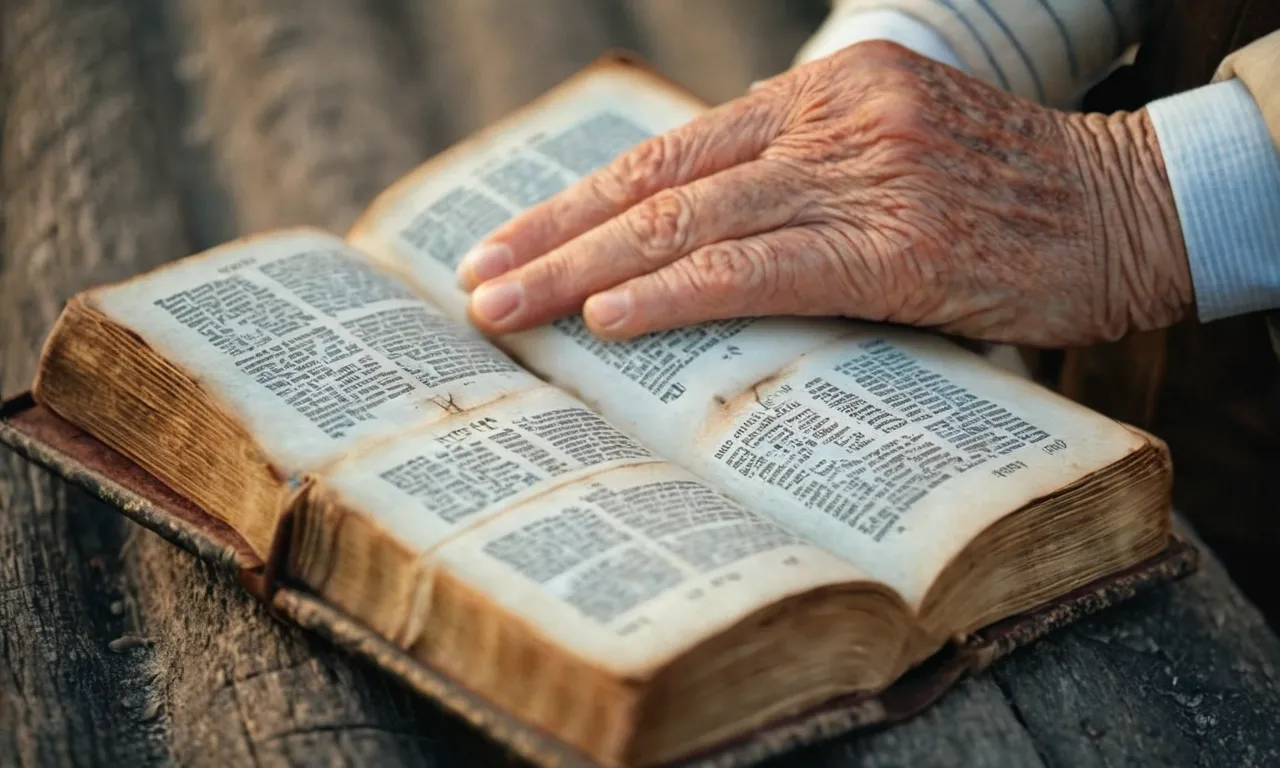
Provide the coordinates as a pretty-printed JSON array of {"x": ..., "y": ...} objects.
[
  {"x": 844, "y": 28},
  {"x": 1224, "y": 169}
]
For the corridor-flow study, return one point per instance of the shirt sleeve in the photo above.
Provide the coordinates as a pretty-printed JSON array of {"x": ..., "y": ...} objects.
[
  {"x": 844, "y": 28},
  {"x": 1051, "y": 51},
  {"x": 1224, "y": 168}
]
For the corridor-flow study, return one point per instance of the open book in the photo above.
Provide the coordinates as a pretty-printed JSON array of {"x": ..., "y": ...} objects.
[{"x": 640, "y": 548}]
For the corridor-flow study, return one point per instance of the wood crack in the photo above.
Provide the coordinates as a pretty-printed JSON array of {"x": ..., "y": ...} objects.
[
  {"x": 243, "y": 723},
  {"x": 340, "y": 728},
  {"x": 1016, "y": 710}
]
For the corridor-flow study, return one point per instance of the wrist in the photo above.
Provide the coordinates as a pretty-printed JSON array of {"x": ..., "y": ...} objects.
[{"x": 1135, "y": 233}]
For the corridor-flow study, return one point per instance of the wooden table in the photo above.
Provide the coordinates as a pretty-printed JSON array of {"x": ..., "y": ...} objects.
[{"x": 138, "y": 131}]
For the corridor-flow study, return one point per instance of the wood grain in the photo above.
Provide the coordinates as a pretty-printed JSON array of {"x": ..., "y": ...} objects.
[
  {"x": 135, "y": 131},
  {"x": 81, "y": 203}
]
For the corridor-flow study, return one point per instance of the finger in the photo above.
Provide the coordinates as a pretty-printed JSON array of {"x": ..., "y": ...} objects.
[
  {"x": 734, "y": 133},
  {"x": 736, "y": 203},
  {"x": 786, "y": 272}
]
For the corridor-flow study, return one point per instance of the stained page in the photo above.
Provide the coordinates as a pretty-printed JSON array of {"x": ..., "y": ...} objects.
[
  {"x": 574, "y": 525},
  {"x": 632, "y": 566},
  {"x": 310, "y": 346}
]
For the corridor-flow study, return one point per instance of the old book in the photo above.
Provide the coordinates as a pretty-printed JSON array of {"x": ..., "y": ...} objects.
[{"x": 644, "y": 549}]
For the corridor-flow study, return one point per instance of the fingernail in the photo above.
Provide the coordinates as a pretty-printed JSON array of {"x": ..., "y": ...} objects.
[
  {"x": 485, "y": 262},
  {"x": 494, "y": 302},
  {"x": 608, "y": 310}
]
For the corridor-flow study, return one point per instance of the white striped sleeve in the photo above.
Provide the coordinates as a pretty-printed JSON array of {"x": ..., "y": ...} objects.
[{"x": 1051, "y": 51}]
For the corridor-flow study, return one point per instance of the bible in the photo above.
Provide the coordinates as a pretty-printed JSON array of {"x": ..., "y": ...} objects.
[{"x": 642, "y": 550}]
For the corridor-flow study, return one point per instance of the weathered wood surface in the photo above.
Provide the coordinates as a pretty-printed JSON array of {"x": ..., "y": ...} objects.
[{"x": 136, "y": 131}]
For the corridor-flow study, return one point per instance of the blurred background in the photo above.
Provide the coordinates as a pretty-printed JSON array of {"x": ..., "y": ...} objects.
[{"x": 137, "y": 131}]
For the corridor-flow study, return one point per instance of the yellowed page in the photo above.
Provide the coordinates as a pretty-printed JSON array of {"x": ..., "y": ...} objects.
[
  {"x": 450, "y": 475},
  {"x": 342, "y": 372},
  {"x": 635, "y": 567},
  {"x": 895, "y": 449},
  {"x": 310, "y": 346},
  {"x": 891, "y": 448},
  {"x": 616, "y": 556}
]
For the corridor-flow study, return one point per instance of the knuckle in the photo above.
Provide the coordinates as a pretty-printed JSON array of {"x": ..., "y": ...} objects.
[
  {"x": 608, "y": 188},
  {"x": 661, "y": 224},
  {"x": 674, "y": 281},
  {"x": 547, "y": 276},
  {"x": 634, "y": 172},
  {"x": 724, "y": 268},
  {"x": 652, "y": 157}
]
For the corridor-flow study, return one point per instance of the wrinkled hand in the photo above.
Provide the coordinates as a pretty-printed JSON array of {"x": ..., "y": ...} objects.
[{"x": 873, "y": 184}]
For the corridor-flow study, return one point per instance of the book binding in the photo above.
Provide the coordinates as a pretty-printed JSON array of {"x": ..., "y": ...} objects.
[{"x": 40, "y": 435}]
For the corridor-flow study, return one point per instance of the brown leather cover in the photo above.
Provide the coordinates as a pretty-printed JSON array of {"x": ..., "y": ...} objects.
[{"x": 40, "y": 435}]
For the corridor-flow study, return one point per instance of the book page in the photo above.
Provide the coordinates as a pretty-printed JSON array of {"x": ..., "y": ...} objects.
[
  {"x": 895, "y": 449},
  {"x": 634, "y": 567},
  {"x": 577, "y": 527},
  {"x": 310, "y": 346},
  {"x": 425, "y": 223},
  {"x": 440, "y": 479},
  {"x": 891, "y": 448},
  {"x": 625, "y": 562}
]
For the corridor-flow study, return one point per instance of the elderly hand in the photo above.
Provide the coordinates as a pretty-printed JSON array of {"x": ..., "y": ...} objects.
[{"x": 874, "y": 184}]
